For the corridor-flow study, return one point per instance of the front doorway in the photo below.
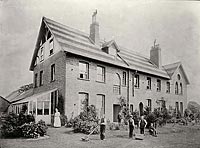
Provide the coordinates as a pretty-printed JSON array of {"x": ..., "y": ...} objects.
[
  {"x": 116, "y": 110},
  {"x": 141, "y": 109}
]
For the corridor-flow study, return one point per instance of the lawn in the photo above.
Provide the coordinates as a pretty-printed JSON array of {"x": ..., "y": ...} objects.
[{"x": 168, "y": 137}]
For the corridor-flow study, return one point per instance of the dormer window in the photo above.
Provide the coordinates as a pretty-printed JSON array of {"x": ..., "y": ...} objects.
[
  {"x": 51, "y": 46},
  {"x": 110, "y": 48}
]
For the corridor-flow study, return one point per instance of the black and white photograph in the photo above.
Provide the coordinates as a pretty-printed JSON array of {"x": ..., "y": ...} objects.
[{"x": 99, "y": 74}]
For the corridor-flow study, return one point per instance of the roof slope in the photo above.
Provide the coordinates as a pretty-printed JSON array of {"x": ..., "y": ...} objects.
[
  {"x": 16, "y": 95},
  {"x": 79, "y": 43},
  {"x": 171, "y": 69}
]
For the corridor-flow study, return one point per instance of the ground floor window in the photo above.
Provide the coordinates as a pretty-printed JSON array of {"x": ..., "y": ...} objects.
[
  {"x": 181, "y": 108},
  {"x": 100, "y": 104},
  {"x": 83, "y": 101},
  {"x": 43, "y": 108},
  {"x": 149, "y": 104},
  {"x": 131, "y": 108}
]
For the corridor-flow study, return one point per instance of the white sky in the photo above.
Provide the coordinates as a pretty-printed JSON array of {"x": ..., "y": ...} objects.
[{"x": 133, "y": 24}]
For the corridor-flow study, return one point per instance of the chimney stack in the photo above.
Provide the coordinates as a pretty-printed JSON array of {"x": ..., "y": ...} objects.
[
  {"x": 94, "y": 29},
  {"x": 155, "y": 55}
]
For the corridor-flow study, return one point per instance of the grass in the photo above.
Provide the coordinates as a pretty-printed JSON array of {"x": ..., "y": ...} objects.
[{"x": 168, "y": 137}]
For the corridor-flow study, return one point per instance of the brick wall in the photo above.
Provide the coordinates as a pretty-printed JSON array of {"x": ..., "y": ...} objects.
[{"x": 59, "y": 60}]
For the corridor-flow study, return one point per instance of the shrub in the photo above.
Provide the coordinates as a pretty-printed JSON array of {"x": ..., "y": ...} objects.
[
  {"x": 32, "y": 130},
  {"x": 22, "y": 126},
  {"x": 10, "y": 126},
  {"x": 86, "y": 121},
  {"x": 42, "y": 128}
]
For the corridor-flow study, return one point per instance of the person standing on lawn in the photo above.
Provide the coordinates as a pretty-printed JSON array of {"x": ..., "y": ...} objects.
[
  {"x": 102, "y": 127},
  {"x": 131, "y": 126},
  {"x": 142, "y": 124},
  {"x": 57, "y": 122}
]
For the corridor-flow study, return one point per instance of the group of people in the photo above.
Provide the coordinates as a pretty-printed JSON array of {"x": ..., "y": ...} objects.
[{"x": 141, "y": 125}]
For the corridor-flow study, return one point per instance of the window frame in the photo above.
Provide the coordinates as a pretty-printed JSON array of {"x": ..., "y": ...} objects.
[
  {"x": 51, "y": 50},
  {"x": 158, "y": 83},
  {"x": 86, "y": 73},
  {"x": 167, "y": 87},
  {"x": 102, "y": 75},
  {"x": 176, "y": 88},
  {"x": 137, "y": 81},
  {"x": 149, "y": 104},
  {"x": 124, "y": 78},
  {"x": 41, "y": 78},
  {"x": 117, "y": 87},
  {"x": 103, "y": 103},
  {"x": 81, "y": 101},
  {"x": 148, "y": 83},
  {"x": 53, "y": 71},
  {"x": 181, "y": 88}
]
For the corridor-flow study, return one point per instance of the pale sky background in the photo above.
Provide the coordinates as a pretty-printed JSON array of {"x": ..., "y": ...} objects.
[{"x": 133, "y": 24}]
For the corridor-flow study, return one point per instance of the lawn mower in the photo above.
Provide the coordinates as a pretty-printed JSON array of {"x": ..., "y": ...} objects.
[{"x": 86, "y": 138}]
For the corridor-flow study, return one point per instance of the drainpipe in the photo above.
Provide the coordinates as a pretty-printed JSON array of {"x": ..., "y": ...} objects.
[{"x": 128, "y": 87}]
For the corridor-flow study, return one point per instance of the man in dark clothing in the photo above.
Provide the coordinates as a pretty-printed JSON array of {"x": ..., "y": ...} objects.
[
  {"x": 102, "y": 127},
  {"x": 142, "y": 124},
  {"x": 131, "y": 126}
]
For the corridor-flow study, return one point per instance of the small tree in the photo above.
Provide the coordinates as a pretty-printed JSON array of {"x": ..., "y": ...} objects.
[
  {"x": 86, "y": 121},
  {"x": 124, "y": 109}
]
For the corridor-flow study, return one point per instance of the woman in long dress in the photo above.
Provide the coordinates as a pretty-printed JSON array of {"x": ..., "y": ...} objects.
[{"x": 57, "y": 122}]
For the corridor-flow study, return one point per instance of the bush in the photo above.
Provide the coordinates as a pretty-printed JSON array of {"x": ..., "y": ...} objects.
[
  {"x": 10, "y": 125},
  {"x": 86, "y": 121},
  {"x": 22, "y": 126},
  {"x": 32, "y": 130}
]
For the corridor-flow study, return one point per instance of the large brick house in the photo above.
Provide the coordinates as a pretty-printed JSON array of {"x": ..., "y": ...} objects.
[{"x": 71, "y": 67}]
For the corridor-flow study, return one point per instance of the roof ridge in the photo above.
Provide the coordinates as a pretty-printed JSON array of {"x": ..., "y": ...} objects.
[
  {"x": 73, "y": 29},
  {"x": 133, "y": 52},
  {"x": 178, "y": 62}
]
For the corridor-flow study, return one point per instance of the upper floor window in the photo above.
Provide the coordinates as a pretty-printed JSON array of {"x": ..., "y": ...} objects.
[
  {"x": 158, "y": 85},
  {"x": 36, "y": 76},
  {"x": 83, "y": 70},
  {"x": 136, "y": 81},
  {"x": 168, "y": 87},
  {"x": 148, "y": 83},
  {"x": 117, "y": 84},
  {"x": 100, "y": 74},
  {"x": 41, "y": 78},
  {"x": 179, "y": 77},
  {"x": 176, "y": 88},
  {"x": 41, "y": 53},
  {"x": 124, "y": 78},
  {"x": 53, "y": 71},
  {"x": 51, "y": 46},
  {"x": 181, "y": 89}
]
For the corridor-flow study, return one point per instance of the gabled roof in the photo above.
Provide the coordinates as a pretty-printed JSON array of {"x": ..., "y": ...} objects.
[
  {"x": 4, "y": 99},
  {"x": 172, "y": 68},
  {"x": 110, "y": 43},
  {"x": 16, "y": 95},
  {"x": 77, "y": 42}
]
